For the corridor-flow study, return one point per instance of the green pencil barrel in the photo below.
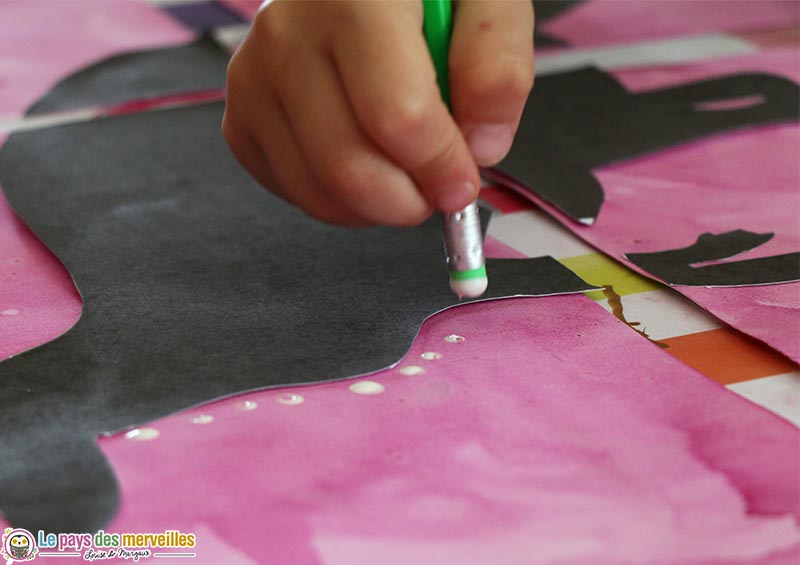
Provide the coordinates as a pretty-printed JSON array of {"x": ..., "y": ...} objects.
[{"x": 438, "y": 27}]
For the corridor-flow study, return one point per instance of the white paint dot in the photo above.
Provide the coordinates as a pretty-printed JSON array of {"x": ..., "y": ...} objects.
[
  {"x": 290, "y": 399},
  {"x": 9, "y": 312},
  {"x": 431, "y": 356},
  {"x": 142, "y": 434},
  {"x": 247, "y": 405},
  {"x": 203, "y": 419},
  {"x": 453, "y": 338},
  {"x": 366, "y": 387},
  {"x": 411, "y": 370}
]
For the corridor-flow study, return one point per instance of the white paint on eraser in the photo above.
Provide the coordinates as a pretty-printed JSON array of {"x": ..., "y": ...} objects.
[{"x": 469, "y": 288}]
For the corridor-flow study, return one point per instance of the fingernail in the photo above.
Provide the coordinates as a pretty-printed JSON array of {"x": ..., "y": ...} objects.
[
  {"x": 490, "y": 142},
  {"x": 455, "y": 196}
]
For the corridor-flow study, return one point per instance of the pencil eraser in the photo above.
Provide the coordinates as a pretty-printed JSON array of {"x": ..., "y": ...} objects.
[{"x": 469, "y": 288}]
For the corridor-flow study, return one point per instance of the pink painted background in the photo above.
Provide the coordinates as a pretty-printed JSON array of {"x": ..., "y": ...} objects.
[
  {"x": 742, "y": 180},
  {"x": 551, "y": 434},
  {"x": 602, "y": 22}
]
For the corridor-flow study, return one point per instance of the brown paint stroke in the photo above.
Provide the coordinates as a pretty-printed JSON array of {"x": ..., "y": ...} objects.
[{"x": 615, "y": 301}]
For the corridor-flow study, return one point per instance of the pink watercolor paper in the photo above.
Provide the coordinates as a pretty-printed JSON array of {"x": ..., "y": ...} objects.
[
  {"x": 561, "y": 438},
  {"x": 38, "y": 301},
  {"x": 40, "y": 43},
  {"x": 742, "y": 180},
  {"x": 604, "y": 22}
]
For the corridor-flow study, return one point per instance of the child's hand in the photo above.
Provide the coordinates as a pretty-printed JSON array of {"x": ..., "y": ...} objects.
[{"x": 333, "y": 105}]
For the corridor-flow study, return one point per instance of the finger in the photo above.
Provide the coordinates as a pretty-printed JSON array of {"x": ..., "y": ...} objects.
[
  {"x": 258, "y": 133},
  {"x": 491, "y": 73},
  {"x": 276, "y": 163},
  {"x": 389, "y": 78},
  {"x": 346, "y": 163}
]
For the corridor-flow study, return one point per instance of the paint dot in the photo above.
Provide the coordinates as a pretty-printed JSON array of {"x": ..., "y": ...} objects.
[
  {"x": 366, "y": 387},
  {"x": 290, "y": 399},
  {"x": 411, "y": 370},
  {"x": 431, "y": 356},
  {"x": 142, "y": 434},
  {"x": 203, "y": 419},
  {"x": 9, "y": 312},
  {"x": 453, "y": 338},
  {"x": 247, "y": 405}
]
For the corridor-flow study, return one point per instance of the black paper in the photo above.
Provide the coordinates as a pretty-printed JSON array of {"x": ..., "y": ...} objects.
[
  {"x": 197, "y": 284},
  {"x": 676, "y": 266},
  {"x": 138, "y": 75},
  {"x": 205, "y": 15},
  {"x": 581, "y": 120}
]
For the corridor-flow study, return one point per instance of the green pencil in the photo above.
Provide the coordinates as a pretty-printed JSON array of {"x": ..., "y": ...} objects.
[{"x": 463, "y": 239}]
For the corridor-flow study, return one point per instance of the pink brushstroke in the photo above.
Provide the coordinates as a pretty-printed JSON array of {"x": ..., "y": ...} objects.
[
  {"x": 601, "y": 22},
  {"x": 38, "y": 301},
  {"x": 742, "y": 180},
  {"x": 552, "y": 434}
]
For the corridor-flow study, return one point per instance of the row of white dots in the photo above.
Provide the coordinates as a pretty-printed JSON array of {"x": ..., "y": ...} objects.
[{"x": 365, "y": 387}]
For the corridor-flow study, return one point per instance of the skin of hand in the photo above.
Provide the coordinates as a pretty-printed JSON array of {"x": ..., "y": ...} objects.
[{"x": 333, "y": 105}]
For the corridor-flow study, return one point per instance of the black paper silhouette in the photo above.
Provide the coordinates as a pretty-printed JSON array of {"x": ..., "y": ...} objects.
[
  {"x": 581, "y": 120},
  {"x": 675, "y": 266},
  {"x": 195, "y": 67},
  {"x": 197, "y": 284}
]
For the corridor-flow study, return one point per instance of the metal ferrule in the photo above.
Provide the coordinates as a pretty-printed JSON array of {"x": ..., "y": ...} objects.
[{"x": 463, "y": 241}]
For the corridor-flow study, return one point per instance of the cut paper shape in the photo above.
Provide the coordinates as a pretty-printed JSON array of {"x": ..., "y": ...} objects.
[
  {"x": 743, "y": 180},
  {"x": 197, "y": 284},
  {"x": 199, "y": 66},
  {"x": 585, "y": 119},
  {"x": 563, "y": 438},
  {"x": 37, "y": 285},
  {"x": 727, "y": 356},
  {"x": 676, "y": 265}
]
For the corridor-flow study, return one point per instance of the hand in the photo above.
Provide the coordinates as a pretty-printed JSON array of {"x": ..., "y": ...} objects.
[{"x": 333, "y": 105}]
